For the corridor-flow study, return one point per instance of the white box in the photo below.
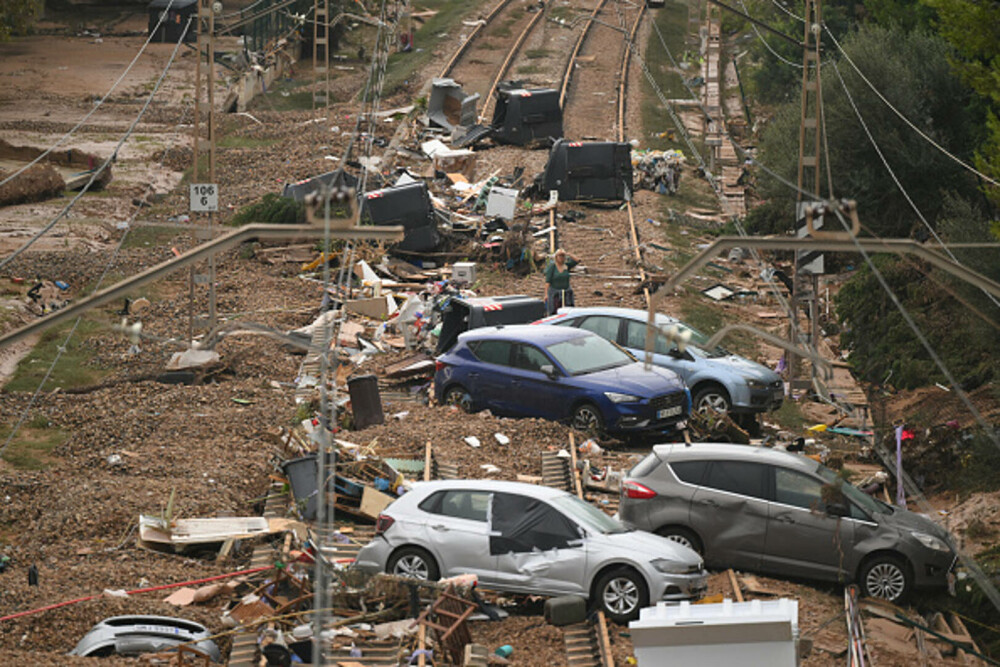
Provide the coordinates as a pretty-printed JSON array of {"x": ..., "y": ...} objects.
[
  {"x": 463, "y": 272},
  {"x": 759, "y": 632},
  {"x": 501, "y": 202}
]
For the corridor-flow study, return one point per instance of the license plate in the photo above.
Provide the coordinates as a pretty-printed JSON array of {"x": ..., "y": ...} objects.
[{"x": 669, "y": 412}]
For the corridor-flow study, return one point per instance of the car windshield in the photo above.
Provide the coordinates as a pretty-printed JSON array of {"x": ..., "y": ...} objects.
[
  {"x": 853, "y": 493},
  {"x": 588, "y": 515},
  {"x": 588, "y": 354}
]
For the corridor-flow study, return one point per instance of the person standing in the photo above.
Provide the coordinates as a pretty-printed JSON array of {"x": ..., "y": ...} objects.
[{"x": 557, "y": 278}]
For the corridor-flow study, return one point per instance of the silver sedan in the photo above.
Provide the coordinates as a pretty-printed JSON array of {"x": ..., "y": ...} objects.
[{"x": 523, "y": 538}]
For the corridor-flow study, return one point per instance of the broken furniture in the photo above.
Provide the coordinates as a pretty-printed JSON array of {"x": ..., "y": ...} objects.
[
  {"x": 447, "y": 618},
  {"x": 596, "y": 170}
]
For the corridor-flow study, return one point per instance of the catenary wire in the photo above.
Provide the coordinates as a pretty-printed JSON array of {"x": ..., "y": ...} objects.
[
  {"x": 114, "y": 154},
  {"x": 97, "y": 286},
  {"x": 892, "y": 173},
  {"x": 97, "y": 105},
  {"x": 906, "y": 120}
]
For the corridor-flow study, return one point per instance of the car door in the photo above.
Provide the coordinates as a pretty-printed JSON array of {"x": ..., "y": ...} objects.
[
  {"x": 532, "y": 393},
  {"x": 730, "y": 513},
  {"x": 802, "y": 539},
  {"x": 537, "y": 548},
  {"x": 458, "y": 534},
  {"x": 490, "y": 379}
]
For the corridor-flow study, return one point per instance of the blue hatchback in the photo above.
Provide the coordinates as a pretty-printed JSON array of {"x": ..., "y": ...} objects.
[{"x": 563, "y": 374}]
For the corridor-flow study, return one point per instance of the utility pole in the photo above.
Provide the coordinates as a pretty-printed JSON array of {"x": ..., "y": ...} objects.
[
  {"x": 808, "y": 264},
  {"x": 204, "y": 196},
  {"x": 321, "y": 55}
]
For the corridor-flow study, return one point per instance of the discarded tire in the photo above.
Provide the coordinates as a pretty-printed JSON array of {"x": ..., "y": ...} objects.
[{"x": 565, "y": 610}]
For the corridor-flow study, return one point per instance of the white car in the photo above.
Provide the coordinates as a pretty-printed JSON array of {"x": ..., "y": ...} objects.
[{"x": 523, "y": 538}]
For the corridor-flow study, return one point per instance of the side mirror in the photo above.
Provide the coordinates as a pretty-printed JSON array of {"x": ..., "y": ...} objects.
[{"x": 549, "y": 370}]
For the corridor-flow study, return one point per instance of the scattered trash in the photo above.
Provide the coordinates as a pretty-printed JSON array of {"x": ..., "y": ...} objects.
[{"x": 472, "y": 441}]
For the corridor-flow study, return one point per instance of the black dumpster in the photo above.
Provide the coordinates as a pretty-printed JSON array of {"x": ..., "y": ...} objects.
[
  {"x": 595, "y": 170},
  {"x": 523, "y": 115},
  {"x": 407, "y": 205},
  {"x": 461, "y": 315},
  {"x": 366, "y": 403}
]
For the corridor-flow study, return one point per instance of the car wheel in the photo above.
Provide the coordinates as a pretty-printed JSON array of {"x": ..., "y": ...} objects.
[
  {"x": 682, "y": 536},
  {"x": 588, "y": 418},
  {"x": 711, "y": 399},
  {"x": 458, "y": 395},
  {"x": 621, "y": 593},
  {"x": 413, "y": 562},
  {"x": 886, "y": 577}
]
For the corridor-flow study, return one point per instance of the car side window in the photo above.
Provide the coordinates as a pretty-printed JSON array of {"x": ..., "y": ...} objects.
[
  {"x": 798, "y": 490},
  {"x": 602, "y": 325},
  {"x": 471, "y": 505},
  {"x": 530, "y": 358},
  {"x": 492, "y": 351},
  {"x": 635, "y": 338},
  {"x": 521, "y": 524},
  {"x": 692, "y": 472},
  {"x": 746, "y": 479}
]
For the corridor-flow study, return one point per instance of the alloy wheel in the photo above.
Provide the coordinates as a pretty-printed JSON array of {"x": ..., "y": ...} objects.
[
  {"x": 412, "y": 566},
  {"x": 621, "y": 596},
  {"x": 885, "y": 581}
]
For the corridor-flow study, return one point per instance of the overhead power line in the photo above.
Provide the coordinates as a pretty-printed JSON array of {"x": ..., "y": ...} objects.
[
  {"x": 114, "y": 154},
  {"x": 906, "y": 120},
  {"x": 97, "y": 105}
]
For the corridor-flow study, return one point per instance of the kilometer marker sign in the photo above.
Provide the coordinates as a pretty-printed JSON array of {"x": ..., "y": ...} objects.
[{"x": 204, "y": 197}]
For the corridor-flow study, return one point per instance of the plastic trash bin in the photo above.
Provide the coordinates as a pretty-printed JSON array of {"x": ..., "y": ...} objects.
[{"x": 365, "y": 401}]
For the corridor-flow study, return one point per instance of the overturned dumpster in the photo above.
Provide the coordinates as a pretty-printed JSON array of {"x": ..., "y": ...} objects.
[
  {"x": 597, "y": 170},
  {"x": 460, "y": 315},
  {"x": 523, "y": 115},
  {"x": 406, "y": 205}
]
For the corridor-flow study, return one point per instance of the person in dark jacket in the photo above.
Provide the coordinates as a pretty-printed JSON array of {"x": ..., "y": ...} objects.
[{"x": 557, "y": 278}]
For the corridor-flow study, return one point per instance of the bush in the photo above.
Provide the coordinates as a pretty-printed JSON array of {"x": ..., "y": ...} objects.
[{"x": 273, "y": 209}]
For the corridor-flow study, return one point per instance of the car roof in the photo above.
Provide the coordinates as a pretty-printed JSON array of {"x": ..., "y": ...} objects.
[
  {"x": 735, "y": 452},
  {"x": 631, "y": 313},
  {"x": 528, "y": 333},
  {"x": 534, "y": 490}
]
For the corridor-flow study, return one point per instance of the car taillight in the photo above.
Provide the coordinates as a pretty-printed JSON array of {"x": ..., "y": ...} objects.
[
  {"x": 383, "y": 523},
  {"x": 636, "y": 490},
  {"x": 439, "y": 365}
]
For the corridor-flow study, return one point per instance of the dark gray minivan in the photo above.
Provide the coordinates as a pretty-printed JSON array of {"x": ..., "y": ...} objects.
[{"x": 753, "y": 508}]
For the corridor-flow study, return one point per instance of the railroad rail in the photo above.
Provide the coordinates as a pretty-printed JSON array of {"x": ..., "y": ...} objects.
[
  {"x": 588, "y": 644},
  {"x": 460, "y": 51}
]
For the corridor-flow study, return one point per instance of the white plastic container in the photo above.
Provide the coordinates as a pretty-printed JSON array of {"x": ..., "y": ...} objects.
[
  {"x": 463, "y": 272},
  {"x": 759, "y": 632}
]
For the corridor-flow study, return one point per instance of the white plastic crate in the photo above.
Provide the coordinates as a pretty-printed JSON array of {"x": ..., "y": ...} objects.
[{"x": 759, "y": 632}]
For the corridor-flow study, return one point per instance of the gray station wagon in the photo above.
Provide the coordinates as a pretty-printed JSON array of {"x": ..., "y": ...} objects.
[{"x": 761, "y": 509}]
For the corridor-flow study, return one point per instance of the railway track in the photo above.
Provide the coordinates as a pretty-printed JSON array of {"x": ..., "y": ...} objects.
[{"x": 606, "y": 241}]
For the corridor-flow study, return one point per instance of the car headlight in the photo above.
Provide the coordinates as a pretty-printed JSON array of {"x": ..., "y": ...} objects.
[
  {"x": 931, "y": 542},
  {"x": 616, "y": 397},
  {"x": 756, "y": 384},
  {"x": 673, "y": 567}
]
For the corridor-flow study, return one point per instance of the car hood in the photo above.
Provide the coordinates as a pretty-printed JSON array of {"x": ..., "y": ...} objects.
[
  {"x": 635, "y": 379},
  {"x": 744, "y": 367},
  {"x": 904, "y": 520},
  {"x": 643, "y": 546}
]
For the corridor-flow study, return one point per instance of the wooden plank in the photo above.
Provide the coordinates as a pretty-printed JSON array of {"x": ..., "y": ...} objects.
[
  {"x": 427, "y": 463},
  {"x": 577, "y": 486},
  {"x": 735, "y": 584}
]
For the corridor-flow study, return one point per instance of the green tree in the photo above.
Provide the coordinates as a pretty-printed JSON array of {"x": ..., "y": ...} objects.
[
  {"x": 973, "y": 30},
  {"x": 912, "y": 72},
  {"x": 17, "y": 16}
]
